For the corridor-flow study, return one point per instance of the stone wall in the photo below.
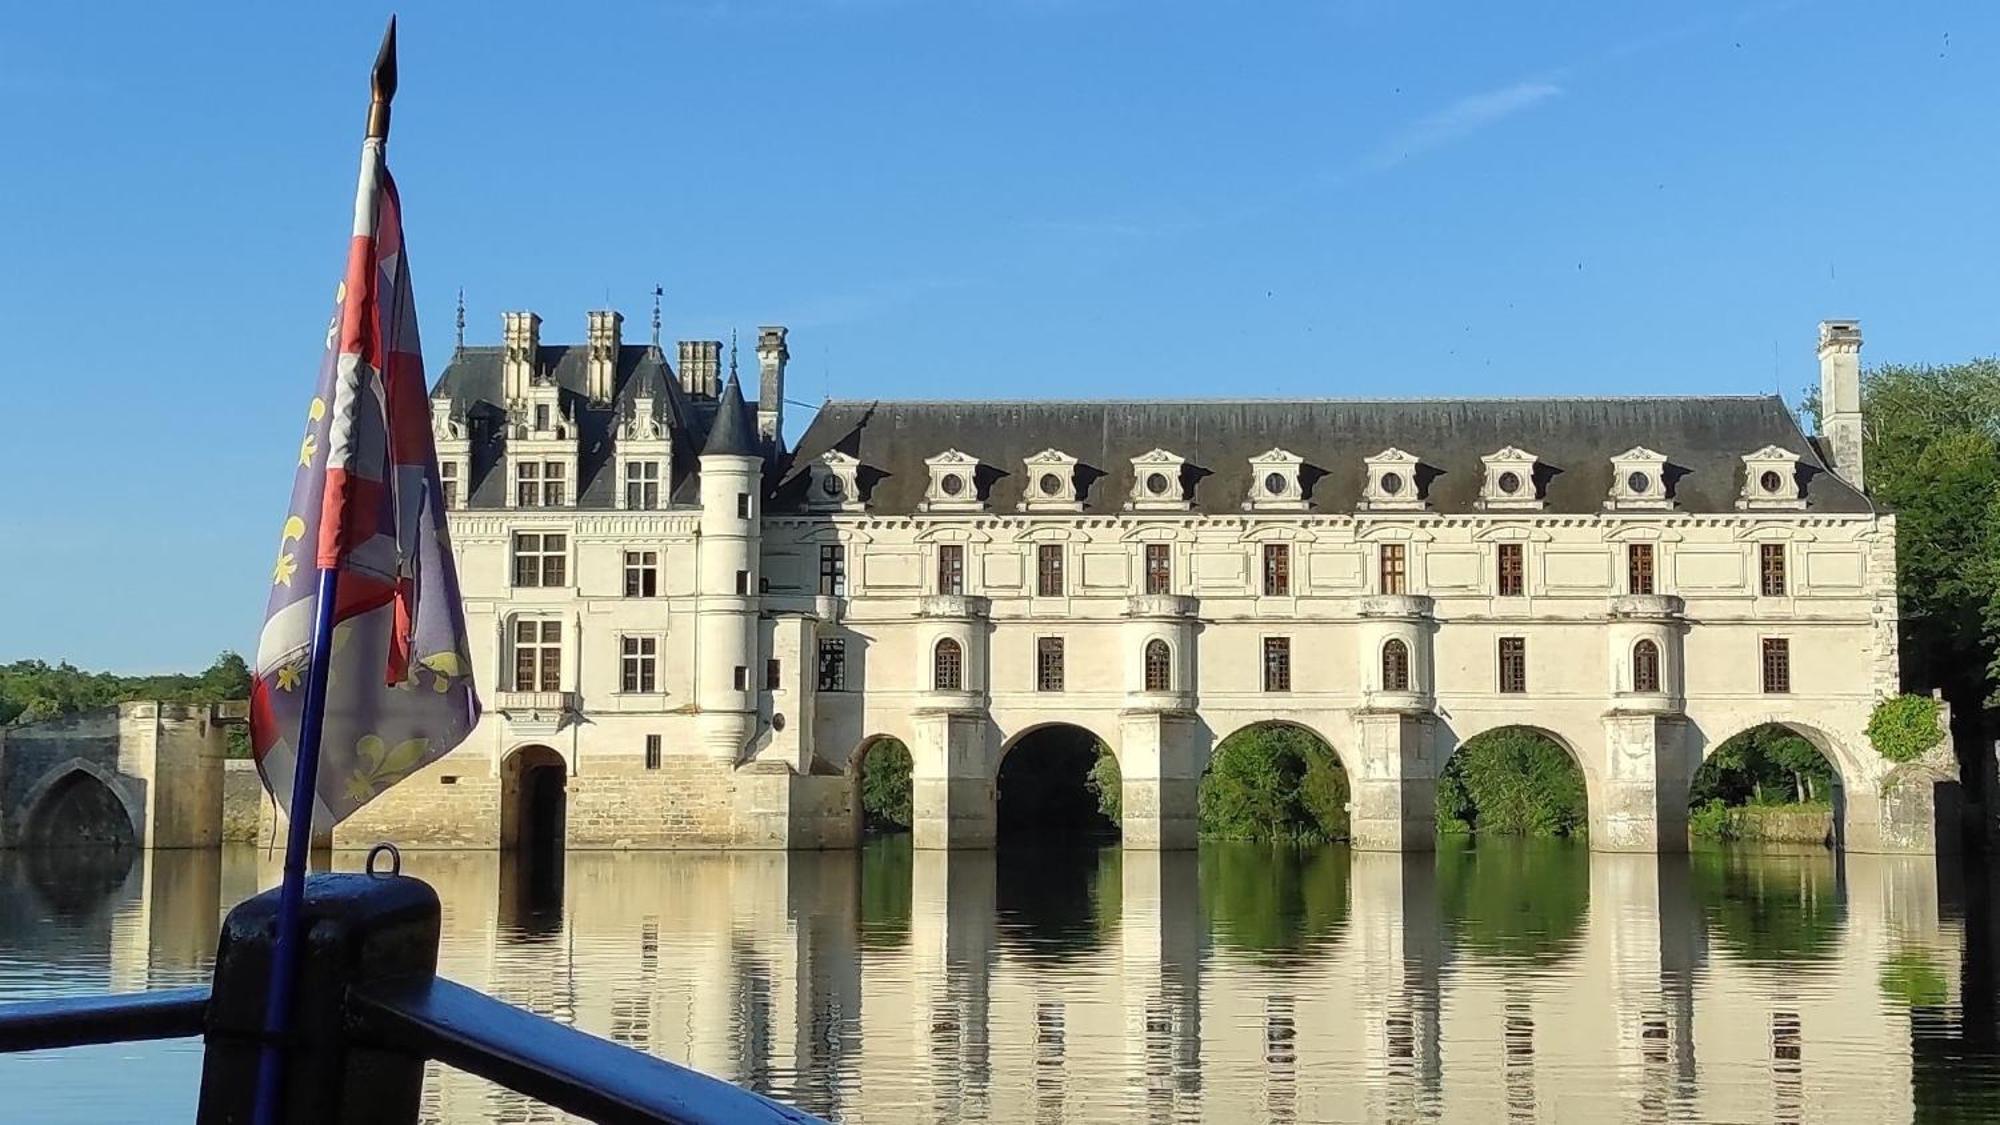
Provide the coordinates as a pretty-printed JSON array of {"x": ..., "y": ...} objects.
[{"x": 160, "y": 763}]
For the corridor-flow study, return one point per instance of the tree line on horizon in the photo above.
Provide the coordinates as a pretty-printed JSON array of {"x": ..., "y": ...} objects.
[{"x": 33, "y": 691}]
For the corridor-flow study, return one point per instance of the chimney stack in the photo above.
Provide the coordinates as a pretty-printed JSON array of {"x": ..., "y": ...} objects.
[
  {"x": 1840, "y": 398},
  {"x": 521, "y": 341},
  {"x": 771, "y": 357},
  {"x": 701, "y": 367},
  {"x": 603, "y": 335}
]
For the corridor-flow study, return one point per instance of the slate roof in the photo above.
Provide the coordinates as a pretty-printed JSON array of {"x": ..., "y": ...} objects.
[
  {"x": 473, "y": 383},
  {"x": 1704, "y": 440},
  {"x": 732, "y": 433}
]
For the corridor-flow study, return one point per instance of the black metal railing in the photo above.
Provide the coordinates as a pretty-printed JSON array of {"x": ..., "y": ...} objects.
[{"x": 372, "y": 1011}]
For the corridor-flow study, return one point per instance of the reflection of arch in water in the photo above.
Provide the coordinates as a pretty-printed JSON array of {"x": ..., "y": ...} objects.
[
  {"x": 1058, "y": 902},
  {"x": 1275, "y": 901},
  {"x": 1316, "y": 801},
  {"x": 79, "y": 883},
  {"x": 1519, "y": 901},
  {"x": 1712, "y": 779},
  {"x": 1051, "y": 787},
  {"x": 1587, "y": 796},
  {"x": 79, "y": 804},
  {"x": 1778, "y": 909}
]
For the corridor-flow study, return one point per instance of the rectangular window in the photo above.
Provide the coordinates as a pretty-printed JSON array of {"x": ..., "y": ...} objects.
[
  {"x": 541, "y": 416},
  {"x": 553, "y": 474},
  {"x": 833, "y": 570},
  {"x": 1513, "y": 665},
  {"x": 448, "y": 483},
  {"x": 538, "y": 656},
  {"x": 743, "y": 582},
  {"x": 1277, "y": 663},
  {"x": 541, "y": 558},
  {"x": 652, "y": 751},
  {"x": 951, "y": 568},
  {"x": 1777, "y": 666},
  {"x": 528, "y": 484},
  {"x": 1513, "y": 571},
  {"x": 1277, "y": 569},
  {"x": 642, "y": 574},
  {"x": 1395, "y": 569},
  {"x": 742, "y": 505},
  {"x": 638, "y": 663},
  {"x": 774, "y": 674},
  {"x": 642, "y": 485},
  {"x": 741, "y": 678},
  {"x": 1048, "y": 663},
  {"x": 832, "y": 664},
  {"x": 1049, "y": 570},
  {"x": 1639, "y": 568},
  {"x": 1771, "y": 568},
  {"x": 1159, "y": 568}
]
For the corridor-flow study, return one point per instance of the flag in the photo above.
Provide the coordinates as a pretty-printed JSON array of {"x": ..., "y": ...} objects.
[{"x": 366, "y": 501}]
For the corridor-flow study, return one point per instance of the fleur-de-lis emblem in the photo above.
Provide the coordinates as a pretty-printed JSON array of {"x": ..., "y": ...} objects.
[{"x": 380, "y": 766}]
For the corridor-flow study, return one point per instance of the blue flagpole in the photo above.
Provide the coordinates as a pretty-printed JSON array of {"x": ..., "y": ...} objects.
[{"x": 298, "y": 842}]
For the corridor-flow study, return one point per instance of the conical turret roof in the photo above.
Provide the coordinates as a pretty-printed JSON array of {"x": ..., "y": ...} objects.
[{"x": 732, "y": 434}]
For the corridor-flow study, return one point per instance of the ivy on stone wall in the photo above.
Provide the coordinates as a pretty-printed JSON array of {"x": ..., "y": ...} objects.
[{"x": 1905, "y": 727}]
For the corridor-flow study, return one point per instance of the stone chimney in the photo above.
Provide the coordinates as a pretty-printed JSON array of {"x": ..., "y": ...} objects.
[
  {"x": 771, "y": 357},
  {"x": 1840, "y": 398},
  {"x": 701, "y": 367},
  {"x": 602, "y": 336},
  {"x": 521, "y": 342}
]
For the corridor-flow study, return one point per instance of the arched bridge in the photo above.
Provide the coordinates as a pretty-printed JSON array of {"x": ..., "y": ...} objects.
[{"x": 142, "y": 774}]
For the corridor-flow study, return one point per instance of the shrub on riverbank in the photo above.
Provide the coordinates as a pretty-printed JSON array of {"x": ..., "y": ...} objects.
[
  {"x": 1512, "y": 782},
  {"x": 885, "y": 788},
  {"x": 1769, "y": 824},
  {"x": 1274, "y": 783}
]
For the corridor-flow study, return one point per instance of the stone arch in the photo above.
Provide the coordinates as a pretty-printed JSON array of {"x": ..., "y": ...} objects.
[
  {"x": 78, "y": 778},
  {"x": 1835, "y": 751},
  {"x": 534, "y": 813},
  {"x": 1317, "y": 806},
  {"x": 890, "y": 814},
  {"x": 1227, "y": 733},
  {"x": 1060, "y": 787},
  {"x": 1450, "y": 741}
]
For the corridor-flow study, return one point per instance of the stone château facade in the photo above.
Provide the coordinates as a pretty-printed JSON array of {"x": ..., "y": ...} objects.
[{"x": 688, "y": 634}]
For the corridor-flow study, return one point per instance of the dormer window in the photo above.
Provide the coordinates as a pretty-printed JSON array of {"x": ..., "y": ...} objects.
[
  {"x": 954, "y": 486},
  {"x": 1639, "y": 481},
  {"x": 833, "y": 484},
  {"x": 1274, "y": 483},
  {"x": 454, "y": 451},
  {"x": 1051, "y": 483},
  {"x": 1771, "y": 480},
  {"x": 1392, "y": 483},
  {"x": 1510, "y": 481},
  {"x": 1159, "y": 483}
]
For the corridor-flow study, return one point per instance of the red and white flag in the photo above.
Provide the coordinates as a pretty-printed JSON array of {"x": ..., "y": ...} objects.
[{"x": 366, "y": 500}]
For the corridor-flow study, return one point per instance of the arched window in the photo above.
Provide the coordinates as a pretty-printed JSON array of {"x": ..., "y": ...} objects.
[
  {"x": 1645, "y": 666},
  {"x": 1159, "y": 666},
  {"x": 1395, "y": 666},
  {"x": 948, "y": 666}
]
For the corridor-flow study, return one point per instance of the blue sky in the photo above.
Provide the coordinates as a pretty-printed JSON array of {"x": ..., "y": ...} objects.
[{"x": 974, "y": 198}]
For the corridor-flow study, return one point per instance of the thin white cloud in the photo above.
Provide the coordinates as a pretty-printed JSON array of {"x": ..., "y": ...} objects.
[{"x": 1457, "y": 121}]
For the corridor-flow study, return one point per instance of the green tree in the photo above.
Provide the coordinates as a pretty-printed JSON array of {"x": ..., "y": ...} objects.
[
  {"x": 33, "y": 691},
  {"x": 1108, "y": 783},
  {"x": 1767, "y": 765},
  {"x": 1275, "y": 783},
  {"x": 885, "y": 787},
  {"x": 1932, "y": 448},
  {"x": 1512, "y": 782}
]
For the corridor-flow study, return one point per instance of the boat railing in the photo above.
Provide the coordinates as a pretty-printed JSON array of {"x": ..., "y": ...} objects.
[{"x": 371, "y": 1012}]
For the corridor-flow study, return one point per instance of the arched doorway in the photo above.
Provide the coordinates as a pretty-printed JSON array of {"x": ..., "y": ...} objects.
[
  {"x": 1274, "y": 782},
  {"x": 1513, "y": 781},
  {"x": 1058, "y": 783},
  {"x": 79, "y": 811},
  {"x": 883, "y": 787},
  {"x": 532, "y": 802},
  {"x": 1772, "y": 783}
]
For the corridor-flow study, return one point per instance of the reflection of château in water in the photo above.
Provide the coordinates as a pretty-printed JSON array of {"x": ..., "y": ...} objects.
[{"x": 1233, "y": 985}]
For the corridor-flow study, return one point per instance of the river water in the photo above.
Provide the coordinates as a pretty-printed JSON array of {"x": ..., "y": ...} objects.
[{"x": 1507, "y": 981}]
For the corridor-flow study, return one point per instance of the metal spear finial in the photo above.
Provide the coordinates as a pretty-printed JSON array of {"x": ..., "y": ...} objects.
[{"x": 382, "y": 84}]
